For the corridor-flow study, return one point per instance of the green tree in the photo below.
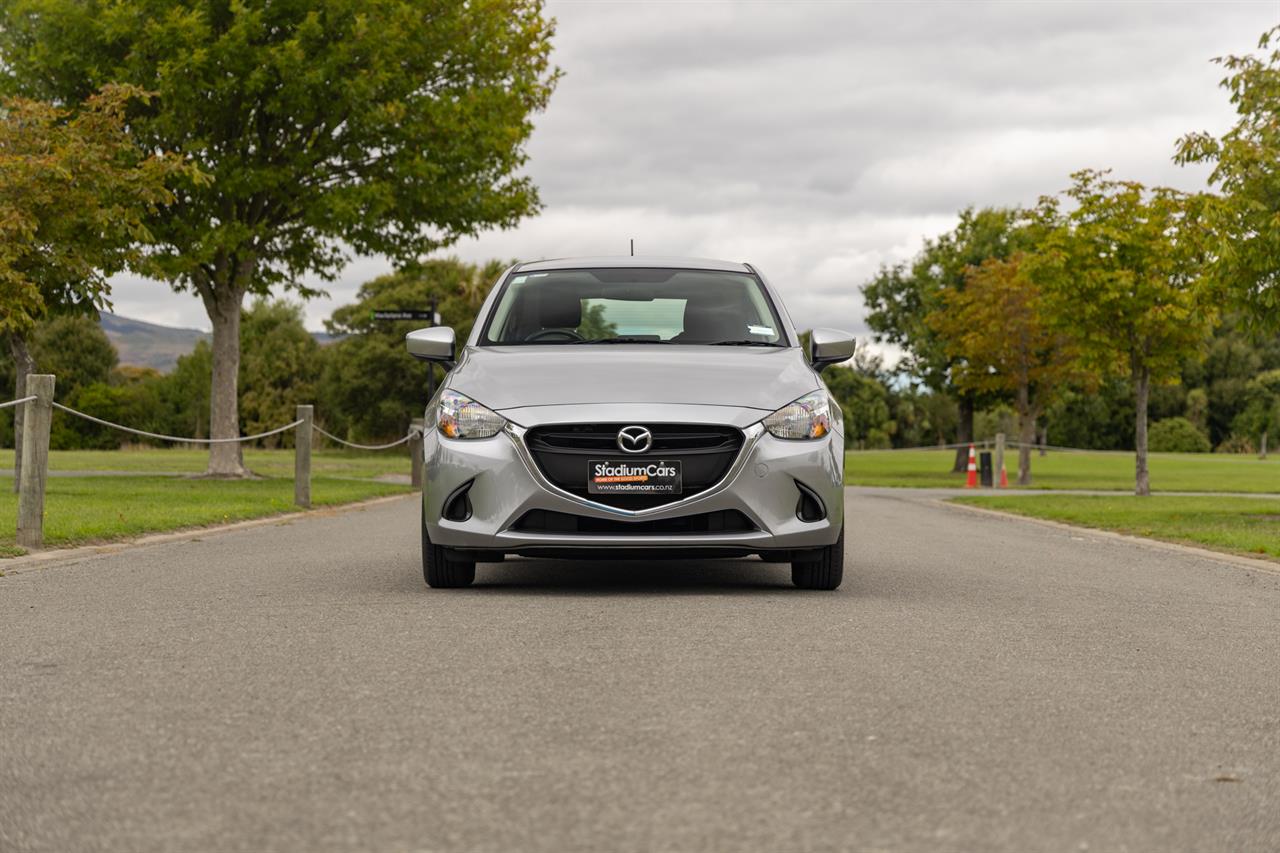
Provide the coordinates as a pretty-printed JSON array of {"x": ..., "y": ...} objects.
[
  {"x": 1261, "y": 414},
  {"x": 1002, "y": 340},
  {"x": 1177, "y": 435},
  {"x": 1235, "y": 356},
  {"x": 132, "y": 397},
  {"x": 184, "y": 392},
  {"x": 1121, "y": 271},
  {"x": 901, "y": 297},
  {"x": 379, "y": 126},
  {"x": 371, "y": 387},
  {"x": 75, "y": 189},
  {"x": 1246, "y": 171},
  {"x": 279, "y": 367},
  {"x": 73, "y": 348},
  {"x": 866, "y": 405},
  {"x": 1098, "y": 418}
]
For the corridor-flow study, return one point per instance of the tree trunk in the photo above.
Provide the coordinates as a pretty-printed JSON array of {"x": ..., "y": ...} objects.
[
  {"x": 1044, "y": 439},
  {"x": 223, "y": 306},
  {"x": 1026, "y": 435},
  {"x": 1142, "y": 391},
  {"x": 964, "y": 434},
  {"x": 23, "y": 364}
]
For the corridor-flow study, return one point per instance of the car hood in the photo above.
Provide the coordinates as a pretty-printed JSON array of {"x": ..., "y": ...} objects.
[{"x": 743, "y": 377}]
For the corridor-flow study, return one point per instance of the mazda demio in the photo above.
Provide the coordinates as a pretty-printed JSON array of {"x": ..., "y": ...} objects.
[{"x": 616, "y": 408}]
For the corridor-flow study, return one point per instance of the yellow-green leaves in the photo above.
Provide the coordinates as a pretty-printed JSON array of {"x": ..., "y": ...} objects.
[
  {"x": 75, "y": 192},
  {"x": 1244, "y": 262},
  {"x": 1123, "y": 271},
  {"x": 1001, "y": 338}
]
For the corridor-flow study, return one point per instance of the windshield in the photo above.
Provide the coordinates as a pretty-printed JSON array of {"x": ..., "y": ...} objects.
[{"x": 640, "y": 306}]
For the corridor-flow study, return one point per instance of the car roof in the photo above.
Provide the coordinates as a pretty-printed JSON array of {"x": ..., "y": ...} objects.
[{"x": 626, "y": 261}]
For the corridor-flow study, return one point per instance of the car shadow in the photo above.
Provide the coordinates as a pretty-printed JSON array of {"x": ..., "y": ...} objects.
[{"x": 632, "y": 576}]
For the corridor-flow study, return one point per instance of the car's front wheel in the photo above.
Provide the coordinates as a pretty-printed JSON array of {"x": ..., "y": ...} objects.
[
  {"x": 824, "y": 572},
  {"x": 441, "y": 572}
]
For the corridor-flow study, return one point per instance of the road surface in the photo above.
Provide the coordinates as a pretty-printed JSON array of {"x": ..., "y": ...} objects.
[{"x": 978, "y": 684}]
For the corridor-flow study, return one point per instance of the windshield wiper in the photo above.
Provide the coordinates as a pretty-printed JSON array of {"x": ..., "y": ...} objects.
[
  {"x": 743, "y": 344},
  {"x": 623, "y": 340}
]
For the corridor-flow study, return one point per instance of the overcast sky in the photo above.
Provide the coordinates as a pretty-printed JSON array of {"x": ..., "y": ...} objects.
[{"x": 820, "y": 140}]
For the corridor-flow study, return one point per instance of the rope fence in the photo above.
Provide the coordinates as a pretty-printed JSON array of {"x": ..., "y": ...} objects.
[
  {"x": 33, "y": 456},
  {"x": 18, "y": 402},
  {"x": 176, "y": 438},
  {"x": 410, "y": 436}
]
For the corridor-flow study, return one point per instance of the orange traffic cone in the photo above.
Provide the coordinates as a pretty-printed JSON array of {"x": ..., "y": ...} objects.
[
  {"x": 1004, "y": 478},
  {"x": 971, "y": 482}
]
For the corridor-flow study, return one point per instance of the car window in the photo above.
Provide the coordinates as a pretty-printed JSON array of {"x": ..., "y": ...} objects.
[{"x": 600, "y": 306}]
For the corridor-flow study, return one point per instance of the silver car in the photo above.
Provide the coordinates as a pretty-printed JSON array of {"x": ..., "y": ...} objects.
[{"x": 613, "y": 408}]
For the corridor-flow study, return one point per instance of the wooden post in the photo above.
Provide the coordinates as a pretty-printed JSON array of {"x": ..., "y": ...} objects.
[
  {"x": 415, "y": 453},
  {"x": 302, "y": 457},
  {"x": 999, "y": 466},
  {"x": 35, "y": 460}
]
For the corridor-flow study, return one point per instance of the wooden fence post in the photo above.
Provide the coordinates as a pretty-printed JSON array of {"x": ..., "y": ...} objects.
[
  {"x": 415, "y": 453},
  {"x": 302, "y": 457},
  {"x": 36, "y": 417}
]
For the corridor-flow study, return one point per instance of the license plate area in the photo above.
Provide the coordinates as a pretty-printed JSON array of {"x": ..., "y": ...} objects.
[{"x": 634, "y": 477}]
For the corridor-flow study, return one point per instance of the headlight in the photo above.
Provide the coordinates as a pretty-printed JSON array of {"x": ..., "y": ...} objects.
[
  {"x": 808, "y": 417},
  {"x": 458, "y": 416}
]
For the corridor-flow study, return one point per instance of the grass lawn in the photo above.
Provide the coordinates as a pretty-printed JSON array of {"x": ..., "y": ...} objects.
[
  {"x": 268, "y": 463},
  {"x": 1171, "y": 472},
  {"x": 1235, "y": 524},
  {"x": 94, "y": 509}
]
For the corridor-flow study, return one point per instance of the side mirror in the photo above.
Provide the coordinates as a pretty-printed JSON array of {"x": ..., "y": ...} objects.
[
  {"x": 828, "y": 347},
  {"x": 434, "y": 344}
]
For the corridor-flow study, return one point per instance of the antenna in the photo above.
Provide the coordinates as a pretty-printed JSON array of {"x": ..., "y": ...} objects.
[{"x": 633, "y": 247}]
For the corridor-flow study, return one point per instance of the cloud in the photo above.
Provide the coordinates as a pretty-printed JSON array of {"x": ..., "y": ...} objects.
[{"x": 820, "y": 140}]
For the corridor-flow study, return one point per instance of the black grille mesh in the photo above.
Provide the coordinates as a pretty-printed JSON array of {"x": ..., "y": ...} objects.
[{"x": 705, "y": 451}]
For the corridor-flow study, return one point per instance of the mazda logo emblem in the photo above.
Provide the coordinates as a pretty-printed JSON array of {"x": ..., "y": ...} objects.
[{"x": 634, "y": 439}]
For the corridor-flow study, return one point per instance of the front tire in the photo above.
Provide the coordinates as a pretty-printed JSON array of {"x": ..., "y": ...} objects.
[
  {"x": 825, "y": 572},
  {"x": 439, "y": 571}
]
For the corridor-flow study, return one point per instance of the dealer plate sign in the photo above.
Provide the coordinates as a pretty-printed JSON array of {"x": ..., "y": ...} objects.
[{"x": 633, "y": 477}]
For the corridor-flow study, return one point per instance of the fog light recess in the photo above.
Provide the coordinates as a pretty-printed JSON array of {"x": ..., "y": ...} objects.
[
  {"x": 809, "y": 507},
  {"x": 457, "y": 507}
]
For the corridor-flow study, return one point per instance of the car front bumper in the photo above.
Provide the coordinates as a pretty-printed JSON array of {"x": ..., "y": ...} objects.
[{"x": 761, "y": 484}]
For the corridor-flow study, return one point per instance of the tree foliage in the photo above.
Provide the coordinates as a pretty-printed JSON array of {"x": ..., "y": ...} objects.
[
  {"x": 371, "y": 385},
  {"x": 998, "y": 334},
  {"x": 279, "y": 367},
  {"x": 75, "y": 191},
  {"x": 379, "y": 126},
  {"x": 1246, "y": 171},
  {"x": 1177, "y": 435},
  {"x": 1122, "y": 269},
  {"x": 900, "y": 297},
  {"x": 73, "y": 348}
]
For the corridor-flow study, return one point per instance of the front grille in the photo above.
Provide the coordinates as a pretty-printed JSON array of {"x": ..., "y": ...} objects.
[
  {"x": 546, "y": 521},
  {"x": 706, "y": 452}
]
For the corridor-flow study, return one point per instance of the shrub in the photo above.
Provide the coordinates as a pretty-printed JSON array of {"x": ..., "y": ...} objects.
[
  {"x": 1176, "y": 435},
  {"x": 1236, "y": 444}
]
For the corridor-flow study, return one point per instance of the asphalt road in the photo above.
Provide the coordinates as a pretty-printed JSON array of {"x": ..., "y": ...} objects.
[{"x": 977, "y": 684}]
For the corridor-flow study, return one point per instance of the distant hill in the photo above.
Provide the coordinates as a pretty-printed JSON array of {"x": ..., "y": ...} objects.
[{"x": 146, "y": 344}]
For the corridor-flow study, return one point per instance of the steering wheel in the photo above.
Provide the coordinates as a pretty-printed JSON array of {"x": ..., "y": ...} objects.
[{"x": 565, "y": 334}]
